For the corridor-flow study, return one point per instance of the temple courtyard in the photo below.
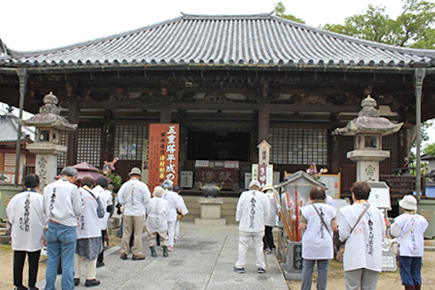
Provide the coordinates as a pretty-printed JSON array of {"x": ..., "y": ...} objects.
[{"x": 203, "y": 259}]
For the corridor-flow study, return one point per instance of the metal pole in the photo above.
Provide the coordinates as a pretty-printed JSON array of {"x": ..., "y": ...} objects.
[
  {"x": 22, "y": 75},
  {"x": 420, "y": 73}
]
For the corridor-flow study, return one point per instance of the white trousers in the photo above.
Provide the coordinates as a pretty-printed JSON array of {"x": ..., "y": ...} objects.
[
  {"x": 177, "y": 229},
  {"x": 171, "y": 230},
  {"x": 91, "y": 266},
  {"x": 257, "y": 238}
]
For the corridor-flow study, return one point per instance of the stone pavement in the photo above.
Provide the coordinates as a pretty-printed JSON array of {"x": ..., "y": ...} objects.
[{"x": 202, "y": 259}]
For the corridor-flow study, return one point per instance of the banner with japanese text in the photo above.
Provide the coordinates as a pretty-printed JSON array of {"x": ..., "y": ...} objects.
[
  {"x": 263, "y": 173},
  {"x": 163, "y": 154}
]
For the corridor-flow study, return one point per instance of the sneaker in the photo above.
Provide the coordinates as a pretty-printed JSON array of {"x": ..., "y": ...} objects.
[
  {"x": 239, "y": 270},
  {"x": 100, "y": 264},
  {"x": 90, "y": 283},
  {"x": 124, "y": 256},
  {"x": 273, "y": 250},
  {"x": 138, "y": 257},
  {"x": 76, "y": 281},
  {"x": 170, "y": 248},
  {"x": 261, "y": 271},
  {"x": 267, "y": 250}
]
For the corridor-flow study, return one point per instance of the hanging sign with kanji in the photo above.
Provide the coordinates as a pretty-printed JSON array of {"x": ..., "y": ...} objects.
[{"x": 163, "y": 154}]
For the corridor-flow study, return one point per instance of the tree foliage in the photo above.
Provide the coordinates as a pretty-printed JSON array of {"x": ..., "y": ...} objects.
[
  {"x": 414, "y": 27},
  {"x": 279, "y": 10},
  {"x": 429, "y": 149}
]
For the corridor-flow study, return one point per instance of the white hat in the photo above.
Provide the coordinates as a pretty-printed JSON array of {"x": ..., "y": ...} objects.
[
  {"x": 135, "y": 171},
  {"x": 158, "y": 191},
  {"x": 408, "y": 202},
  {"x": 267, "y": 187},
  {"x": 254, "y": 183}
]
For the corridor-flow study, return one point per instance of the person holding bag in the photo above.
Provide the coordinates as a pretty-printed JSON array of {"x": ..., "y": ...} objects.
[
  {"x": 318, "y": 221},
  {"x": 363, "y": 233},
  {"x": 409, "y": 229}
]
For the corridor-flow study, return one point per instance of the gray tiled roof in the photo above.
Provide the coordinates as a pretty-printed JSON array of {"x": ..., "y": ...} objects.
[
  {"x": 239, "y": 40},
  {"x": 9, "y": 129}
]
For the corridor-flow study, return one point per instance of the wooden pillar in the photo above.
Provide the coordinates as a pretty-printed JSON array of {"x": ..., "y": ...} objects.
[
  {"x": 334, "y": 155},
  {"x": 254, "y": 139},
  {"x": 165, "y": 113},
  {"x": 263, "y": 122},
  {"x": 181, "y": 117},
  {"x": 22, "y": 75},
  {"x": 73, "y": 118}
]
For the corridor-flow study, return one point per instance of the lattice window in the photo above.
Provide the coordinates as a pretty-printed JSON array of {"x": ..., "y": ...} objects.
[
  {"x": 89, "y": 146},
  {"x": 129, "y": 141},
  {"x": 9, "y": 165},
  {"x": 298, "y": 146},
  {"x": 61, "y": 159}
]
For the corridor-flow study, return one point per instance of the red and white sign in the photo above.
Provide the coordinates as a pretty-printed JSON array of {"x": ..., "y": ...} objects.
[{"x": 163, "y": 154}]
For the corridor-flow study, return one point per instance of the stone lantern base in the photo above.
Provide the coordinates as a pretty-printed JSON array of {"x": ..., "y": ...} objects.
[{"x": 46, "y": 161}]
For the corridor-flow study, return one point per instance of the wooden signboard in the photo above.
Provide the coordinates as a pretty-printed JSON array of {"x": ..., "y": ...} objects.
[{"x": 163, "y": 154}]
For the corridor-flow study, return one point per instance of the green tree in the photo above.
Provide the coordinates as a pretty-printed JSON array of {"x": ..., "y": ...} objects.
[
  {"x": 429, "y": 149},
  {"x": 279, "y": 10},
  {"x": 414, "y": 27}
]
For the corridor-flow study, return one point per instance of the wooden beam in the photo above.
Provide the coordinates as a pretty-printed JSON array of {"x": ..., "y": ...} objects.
[{"x": 274, "y": 107}]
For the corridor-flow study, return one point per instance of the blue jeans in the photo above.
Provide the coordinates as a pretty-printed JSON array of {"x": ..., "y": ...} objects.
[
  {"x": 410, "y": 268},
  {"x": 307, "y": 273},
  {"x": 61, "y": 241}
]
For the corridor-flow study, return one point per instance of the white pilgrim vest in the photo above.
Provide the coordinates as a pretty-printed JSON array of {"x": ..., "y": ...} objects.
[
  {"x": 89, "y": 223},
  {"x": 158, "y": 210},
  {"x": 25, "y": 214},
  {"x": 316, "y": 242}
]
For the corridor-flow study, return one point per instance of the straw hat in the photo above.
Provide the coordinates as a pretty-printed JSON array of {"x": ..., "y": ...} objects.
[
  {"x": 267, "y": 187},
  {"x": 408, "y": 202}
]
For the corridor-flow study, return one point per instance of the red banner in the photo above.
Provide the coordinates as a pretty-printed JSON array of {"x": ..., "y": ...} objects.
[
  {"x": 262, "y": 174},
  {"x": 163, "y": 154}
]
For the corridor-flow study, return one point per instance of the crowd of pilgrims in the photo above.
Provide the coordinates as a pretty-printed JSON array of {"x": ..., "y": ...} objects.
[
  {"x": 360, "y": 227},
  {"x": 73, "y": 216}
]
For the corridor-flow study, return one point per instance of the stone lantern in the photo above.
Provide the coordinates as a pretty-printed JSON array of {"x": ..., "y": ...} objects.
[
  {"x": 47, "y": 146},
  {"x": 368, "y": 130}
]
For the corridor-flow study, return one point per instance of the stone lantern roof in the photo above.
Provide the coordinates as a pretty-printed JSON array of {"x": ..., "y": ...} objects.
[
  {"x": 48, "y": 116},
  {"x": 368, "y": 121}
]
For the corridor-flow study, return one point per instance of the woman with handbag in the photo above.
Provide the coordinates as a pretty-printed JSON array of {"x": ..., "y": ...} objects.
[
  {"x": 318, "y": 221},
  {"x": 409, "y": 229}
]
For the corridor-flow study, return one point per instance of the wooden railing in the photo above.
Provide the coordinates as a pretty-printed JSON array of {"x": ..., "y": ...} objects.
[{"x": 401, "y": 185}]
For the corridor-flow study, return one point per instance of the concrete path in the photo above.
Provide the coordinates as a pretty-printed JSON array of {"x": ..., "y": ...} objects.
[{"x": 203, "y": 259}]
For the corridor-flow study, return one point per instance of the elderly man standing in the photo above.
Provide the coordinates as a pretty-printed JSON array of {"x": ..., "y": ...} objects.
[
  {"x": 362, "y": 229},
  {"x": 62, "y": 205},
  {"x": 133, "y": 196},
  {"x": 252, "y": 211},
  {"x": 25, "y": 214}
]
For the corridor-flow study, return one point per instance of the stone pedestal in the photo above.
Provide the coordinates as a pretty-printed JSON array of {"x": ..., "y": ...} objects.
[
  {"x": 46, "y": 161},
  {"x": 367, "y": 167},
  {"x": 210, "y": 212}
]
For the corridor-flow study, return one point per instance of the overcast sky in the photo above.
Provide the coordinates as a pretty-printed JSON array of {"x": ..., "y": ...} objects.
[{"x": 41, "y": 24}]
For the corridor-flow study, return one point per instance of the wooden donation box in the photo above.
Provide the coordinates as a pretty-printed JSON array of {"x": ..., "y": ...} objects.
[{"x": 218, "y": 172}]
